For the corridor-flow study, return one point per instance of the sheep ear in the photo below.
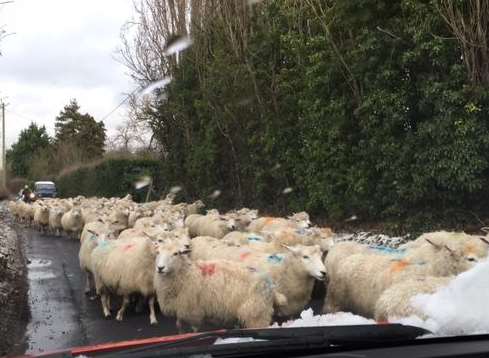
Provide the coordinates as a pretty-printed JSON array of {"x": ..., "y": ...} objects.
[
  {"x": 92, "y": 232},
  {"x": 485, "y": 229},
  {"x": 292, "y": 249},
  {"x": 484, "y": 240},
  {"x": 433, "y": 244},
  {"x": 449, "y": 249}
]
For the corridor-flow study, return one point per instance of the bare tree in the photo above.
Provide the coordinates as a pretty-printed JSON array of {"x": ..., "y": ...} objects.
[{"x": 468, "y": 20}]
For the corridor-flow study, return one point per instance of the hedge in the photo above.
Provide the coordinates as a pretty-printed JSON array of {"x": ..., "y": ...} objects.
[{"x": 110, "y": 178}]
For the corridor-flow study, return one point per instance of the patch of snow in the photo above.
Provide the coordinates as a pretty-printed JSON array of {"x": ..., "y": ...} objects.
[
  {"x": 461, "y": 307},
  {"x": 308, "y": 319}
]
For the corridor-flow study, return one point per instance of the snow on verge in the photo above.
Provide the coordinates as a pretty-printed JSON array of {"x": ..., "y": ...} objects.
[{"x": 460, "y": 308}]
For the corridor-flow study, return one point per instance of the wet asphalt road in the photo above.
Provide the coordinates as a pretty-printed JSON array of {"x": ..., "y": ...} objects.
[{"x": 61, "y": 315}]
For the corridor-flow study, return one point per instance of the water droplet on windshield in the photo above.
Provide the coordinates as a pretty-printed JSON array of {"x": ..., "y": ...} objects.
[
  {"x": 155, "y": 85},
  {"x": 277, "y": 166},
  {"x": 142, "y": 182},
  {"x": 215, "y": 194},
  {"x": 177, "y": 44},
  {"x": 353, "y": 218},
  {"x": 175, "y": 189},
  {"x": 287, "y": 190}
]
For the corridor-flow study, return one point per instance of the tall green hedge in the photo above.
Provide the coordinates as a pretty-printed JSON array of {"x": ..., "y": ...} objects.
[
  {"x": 365, "y": 109},
  {"x": 110, "y": 178}
]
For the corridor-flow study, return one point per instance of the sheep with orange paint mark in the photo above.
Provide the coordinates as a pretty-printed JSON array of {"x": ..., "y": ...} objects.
[
  {"x": 359, "y": 275},
  {"x": 220, "y": 291}
]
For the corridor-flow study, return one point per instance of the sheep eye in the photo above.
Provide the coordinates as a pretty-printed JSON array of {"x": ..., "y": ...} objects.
[
  {"x": 176, "y": 254},
  {"x": 305, "y": 256},
  {"x": 159, "y": 240},
  {"x": 471, "y": 259}
]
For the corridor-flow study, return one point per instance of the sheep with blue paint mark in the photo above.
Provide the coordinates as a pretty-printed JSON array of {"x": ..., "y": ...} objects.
[
  {"x": 293, "y": 271},
  {"x": 124, "y": 267},
  {"x": 358, "y": 275}
]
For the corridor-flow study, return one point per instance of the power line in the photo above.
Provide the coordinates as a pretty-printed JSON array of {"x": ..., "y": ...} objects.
[
  {"x": 119, "y": 105},
  {"x": 20, "y": 115}
]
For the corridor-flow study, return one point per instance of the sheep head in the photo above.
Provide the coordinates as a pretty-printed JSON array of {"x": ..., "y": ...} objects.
[{"x": 310, "y": 257}]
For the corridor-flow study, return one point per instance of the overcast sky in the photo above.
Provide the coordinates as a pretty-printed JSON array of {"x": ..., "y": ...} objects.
[{"x": 62, "y": 49}]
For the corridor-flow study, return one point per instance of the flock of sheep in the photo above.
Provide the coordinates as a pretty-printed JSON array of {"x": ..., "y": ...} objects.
[{"x": 239, "y": 268}]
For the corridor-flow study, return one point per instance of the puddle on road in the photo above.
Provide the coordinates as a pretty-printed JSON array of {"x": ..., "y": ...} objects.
[
  {"x": 37, "y": 276},
  {"x": 39, "y": 263}
]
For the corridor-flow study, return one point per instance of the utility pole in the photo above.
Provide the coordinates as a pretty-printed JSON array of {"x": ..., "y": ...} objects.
[{"x": 4, "y": 157}]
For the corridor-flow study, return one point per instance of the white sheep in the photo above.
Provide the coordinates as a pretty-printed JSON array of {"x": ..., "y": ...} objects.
[
  {"x": 88, "y": 241},
  {"x": 41, "y": 217},
  {"x": 209, "y": 225},
  {"x": 396, "y": 301},
  {"x": 357, "y": 280},
  {"x": 124, "y": 267},
  {"x": 293, "y": 272},
  {"x": 296, "y": 221},
  {"x": 55, "y": 215},
  {"x": 72, "y": 222},
  {"x": 218, "y": 290}
]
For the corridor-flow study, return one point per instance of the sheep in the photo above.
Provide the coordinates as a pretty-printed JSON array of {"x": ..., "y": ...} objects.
[
  {"x": 194, "y": 208},
  {"x": 41, "y": 217},
  {"x": 295, "y": 221},
  {"x": 55, "y": 215},
  {"x": 396, "y": 301},
  {"x": 209, "y": 225},
  {"x": 293, "y": 272},
  {"x": 88, "y": 242},
  {"x": 274, "y": 242},
  {"x": 217, "y": 290},
  {"x": 72, "y": 222},
  {"x": 357, "y": 280},
  {"x": 124, "y": 267}
]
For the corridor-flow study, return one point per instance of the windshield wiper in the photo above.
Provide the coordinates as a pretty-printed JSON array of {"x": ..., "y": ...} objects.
[{"x": 274, "y": 339}]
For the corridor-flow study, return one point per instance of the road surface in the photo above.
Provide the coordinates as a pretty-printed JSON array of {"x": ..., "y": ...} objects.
[{"x": 61, "y": 315}]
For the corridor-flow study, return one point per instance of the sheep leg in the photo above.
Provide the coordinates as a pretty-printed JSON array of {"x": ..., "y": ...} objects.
[
  {"x": 122, "y": 310},
  {"x": 179, "y": 327},
  {"x": 152, "y": 315},
  {"x": 104, "y": 298},
  {"x": 140, "y": 301},
  {"x": 87, "y": 283}
]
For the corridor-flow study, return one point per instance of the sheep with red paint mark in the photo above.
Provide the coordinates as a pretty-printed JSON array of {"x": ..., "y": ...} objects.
[
  {"x": 220, "y": 291},
  {"x": 124, "y": 267},
  {"x": 293, "y": 271}
]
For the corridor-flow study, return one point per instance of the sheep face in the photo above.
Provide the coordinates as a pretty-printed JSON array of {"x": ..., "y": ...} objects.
[
  {"x": 302, "y": 219},
  {"x": 311, "y": 259},
  {"x": 170, "y": 256}
]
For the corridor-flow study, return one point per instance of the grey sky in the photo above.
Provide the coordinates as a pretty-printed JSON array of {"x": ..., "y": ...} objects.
[{"x": 62, "y": 49}]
